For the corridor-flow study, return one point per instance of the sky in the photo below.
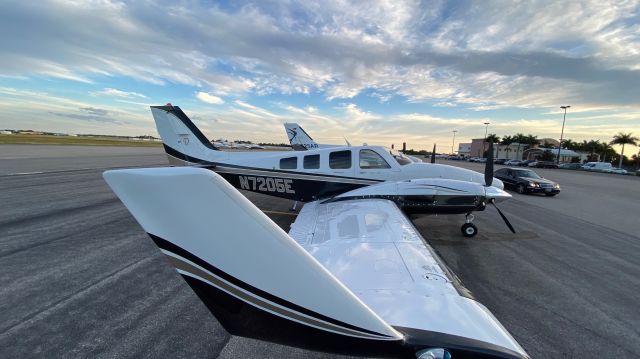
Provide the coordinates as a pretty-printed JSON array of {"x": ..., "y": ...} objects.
[{"x": 380, "y": 72}]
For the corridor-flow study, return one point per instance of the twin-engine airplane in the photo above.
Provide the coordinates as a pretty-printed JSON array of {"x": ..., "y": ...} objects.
[
  {"x": 335, "y": 173},
  {"x": 353, "y": 275}
]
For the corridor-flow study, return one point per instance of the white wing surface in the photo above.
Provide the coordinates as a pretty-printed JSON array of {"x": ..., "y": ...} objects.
[{"x": 374, "y": 249}]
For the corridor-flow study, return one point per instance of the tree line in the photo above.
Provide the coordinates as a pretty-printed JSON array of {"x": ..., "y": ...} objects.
[{"x": 596, "y": 148}]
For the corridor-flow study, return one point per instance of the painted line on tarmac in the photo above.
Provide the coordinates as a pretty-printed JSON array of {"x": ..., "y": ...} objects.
[
  {"x": 79, "y": 169},
  {"x": 24, "y": 173}
]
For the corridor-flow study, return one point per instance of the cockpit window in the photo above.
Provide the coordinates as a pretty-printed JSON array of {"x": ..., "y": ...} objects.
[
  {"x": 370, "y": 159},
  {"x": 399, "y": 157}
]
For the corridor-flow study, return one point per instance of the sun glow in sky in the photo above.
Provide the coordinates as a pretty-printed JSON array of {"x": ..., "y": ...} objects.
[{"x": 379, "y": 72}]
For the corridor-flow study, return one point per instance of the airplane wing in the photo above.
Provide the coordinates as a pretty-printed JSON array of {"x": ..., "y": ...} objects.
[
  {"x": 375, "y": 250},
  {"x": 352, "y": 277}
]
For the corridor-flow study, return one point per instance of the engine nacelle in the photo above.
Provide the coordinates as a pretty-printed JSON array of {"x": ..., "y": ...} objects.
[{"x": 430, "y": 195}]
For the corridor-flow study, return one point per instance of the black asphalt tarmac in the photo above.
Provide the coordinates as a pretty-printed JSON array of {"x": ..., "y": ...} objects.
[{"x": 80, "y": 278}]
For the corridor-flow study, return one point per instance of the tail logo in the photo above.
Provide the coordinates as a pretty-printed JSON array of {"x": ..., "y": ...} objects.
[
  {"x": 184, "y": 139},
  {"x": 292, "y": 133}
]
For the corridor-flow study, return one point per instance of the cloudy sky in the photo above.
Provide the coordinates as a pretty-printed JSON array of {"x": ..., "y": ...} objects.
[{"x": 373, "y": 71}]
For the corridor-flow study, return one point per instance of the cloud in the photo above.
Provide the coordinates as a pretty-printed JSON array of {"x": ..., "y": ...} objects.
[
  {"x": 91, "y": 114},
  {"x": 209, "y": 98},
  {"x": 107, "y": 91},
  {"x": 339, "y": 49},
  {"x": 482, "y": 56}
]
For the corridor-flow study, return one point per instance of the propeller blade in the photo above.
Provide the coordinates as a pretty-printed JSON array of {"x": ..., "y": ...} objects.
[
  {"x": 488, "y": 168},
  {"x": 433, "y": 154},
  {"x": 504, "y": 218}
]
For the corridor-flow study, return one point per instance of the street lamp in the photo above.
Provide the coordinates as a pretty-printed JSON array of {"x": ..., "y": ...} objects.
[
  {"x": 453, "y": 143},
  {"x": 562, "y": 132},
  {"x": 484, "y": 141}
]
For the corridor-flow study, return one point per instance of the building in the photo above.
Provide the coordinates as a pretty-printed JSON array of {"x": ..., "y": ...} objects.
[
  {"x": 464, "y": 149},
  {"x": 476, "y": 147},
  {"x": 536, "y": 153}
]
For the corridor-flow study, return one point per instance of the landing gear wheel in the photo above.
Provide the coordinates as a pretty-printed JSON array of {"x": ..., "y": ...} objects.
[
  {"x": 469, "y": 230},
  {"x": 520, "y": 188}
]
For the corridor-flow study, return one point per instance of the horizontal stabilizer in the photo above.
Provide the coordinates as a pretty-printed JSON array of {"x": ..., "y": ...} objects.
[{"x": 249, "y": 272}]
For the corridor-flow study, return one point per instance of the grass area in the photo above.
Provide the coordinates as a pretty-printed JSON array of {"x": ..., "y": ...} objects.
[{"x": 71, "y": 140}]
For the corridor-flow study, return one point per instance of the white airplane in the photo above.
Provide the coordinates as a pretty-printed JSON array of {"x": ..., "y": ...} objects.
[
  {"x": 301, "y": 141},
  {"x": 335, "y": 173},
  {"x": 353, "y": 276}
]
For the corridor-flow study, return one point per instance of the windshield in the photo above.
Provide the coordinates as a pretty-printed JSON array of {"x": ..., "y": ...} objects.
[
  {"x": 526, "y": 173},
  {"x": 399, "y": 157}
]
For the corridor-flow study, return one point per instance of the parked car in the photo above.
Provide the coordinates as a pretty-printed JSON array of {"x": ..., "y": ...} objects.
[
  {"x": 473, "y": 159},
  {"x": 570, "y": 166},
  {"x": 597, "y": 166},
  {"x": 526, "y": 181},
  {"x": 513, "y": 163},
  {"x": 500, "y": 161},
  {"x": 617, "y": 170},
  {"x": 543, "y": 164},
  {"x": 525, "y": 163}
]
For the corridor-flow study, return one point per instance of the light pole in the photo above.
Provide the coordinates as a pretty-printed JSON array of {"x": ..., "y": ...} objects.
[
  {"x": 484, "y": 141},
  {"x": 453, "y": 143},
  {"x": 562, "y": 132}
]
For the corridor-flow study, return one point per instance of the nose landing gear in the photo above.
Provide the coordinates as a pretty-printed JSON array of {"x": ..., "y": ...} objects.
[{"x": 469, "y": 229}]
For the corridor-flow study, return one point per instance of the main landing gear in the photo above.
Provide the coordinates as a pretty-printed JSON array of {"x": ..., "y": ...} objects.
[{"x": 469, "y": 229}]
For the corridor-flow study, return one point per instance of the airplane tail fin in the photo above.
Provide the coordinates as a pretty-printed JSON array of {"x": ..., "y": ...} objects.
[
  {"x": 299, "y": 138},
  {"x": 252, "y": 276},
  {"x": 183, "y": 142}
]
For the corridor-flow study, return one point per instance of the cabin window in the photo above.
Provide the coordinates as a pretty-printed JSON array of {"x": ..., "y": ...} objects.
[
  {"x": 289, "y": 163},
  {"x": 370, "y": 159},
  {"x": 311, "y": 162},
  {"x": 340, "y": 160}
]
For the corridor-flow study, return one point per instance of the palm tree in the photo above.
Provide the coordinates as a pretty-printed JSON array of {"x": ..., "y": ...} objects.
[
  {"x": 606, "y": 149},
  {"x": 506, "y": 141},
  {"x": 592, "y": 146},
  {"x": 624, "y": 139},
  {"x": 531, "y": 140},
  {"x": 493, "y": 139},
  {"x": 570, "y": 144},
  {"x": 520, "y": 139}
]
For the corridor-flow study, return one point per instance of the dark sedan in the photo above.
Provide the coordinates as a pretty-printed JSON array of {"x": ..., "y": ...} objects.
[
  {"x": 526, "y": 181},
  {"x": 543, "y": 164}
]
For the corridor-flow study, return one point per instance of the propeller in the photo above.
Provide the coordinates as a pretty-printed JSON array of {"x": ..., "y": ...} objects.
[
  {"x": 488, "y": 168},
  {"x": 504, "y": 218},
  {"x": 433, "y": 154},
  {"x": 488, "y": 180}
]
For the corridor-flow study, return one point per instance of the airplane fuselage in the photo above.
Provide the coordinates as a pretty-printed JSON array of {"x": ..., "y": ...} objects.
[{"x": 321, "y": 173}]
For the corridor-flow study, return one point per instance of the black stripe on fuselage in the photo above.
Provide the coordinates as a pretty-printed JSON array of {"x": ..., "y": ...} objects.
[
  {"x": 170, "y": 247},
  {"x": 306, "y": 186}
]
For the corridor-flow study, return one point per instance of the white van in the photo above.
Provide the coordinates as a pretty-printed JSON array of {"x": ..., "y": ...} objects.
[{"x": 597, "y": 166}]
